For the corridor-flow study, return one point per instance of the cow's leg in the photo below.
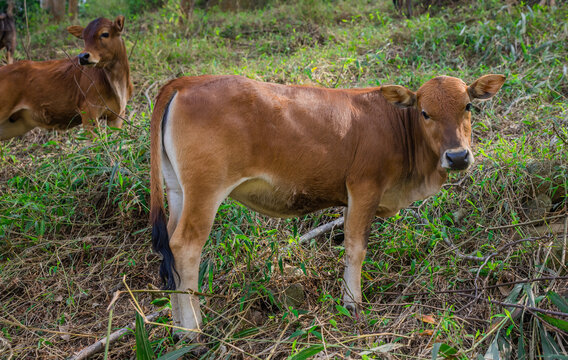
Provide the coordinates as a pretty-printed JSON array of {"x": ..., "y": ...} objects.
[
  {"x": 115, "y": 121},
  {"x": 361, "y": 209},
  {"x": 89, "y": 119},
  {"x": 10, "y": 56},
  {"x": 193, "y": 226},
  {"x": 13, "y": 126}
]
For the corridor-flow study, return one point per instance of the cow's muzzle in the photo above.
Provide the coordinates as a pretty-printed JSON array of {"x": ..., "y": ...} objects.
[
  {"x": 457, "y": 159},
  {"x": 86, "y": 59}
]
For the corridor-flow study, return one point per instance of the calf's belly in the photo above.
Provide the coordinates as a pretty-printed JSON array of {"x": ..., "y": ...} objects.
[{"x": 283, "y": 201}]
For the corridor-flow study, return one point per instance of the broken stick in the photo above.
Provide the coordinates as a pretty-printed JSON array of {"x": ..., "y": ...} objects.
[{"x": 100, "y": 345}]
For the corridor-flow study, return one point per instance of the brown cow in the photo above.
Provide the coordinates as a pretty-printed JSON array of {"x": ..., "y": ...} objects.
[
  {"x": 289, "y": 150},
  {"x": 8, "y": 32},
  {"x": 60, "y": 94}
]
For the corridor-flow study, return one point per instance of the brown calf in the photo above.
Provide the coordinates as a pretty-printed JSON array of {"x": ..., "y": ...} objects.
[
  {"x": 8, "y": 32},
  {"x": 60, "y": 94},
  {"x": 289, "y": 150}
]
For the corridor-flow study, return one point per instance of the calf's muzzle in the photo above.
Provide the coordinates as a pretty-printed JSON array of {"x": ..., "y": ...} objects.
[
  {"x": 84, "y": 58},
  {"x": 457, "y": 159}
]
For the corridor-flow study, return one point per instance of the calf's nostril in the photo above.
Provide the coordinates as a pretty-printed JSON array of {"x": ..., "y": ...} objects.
[
  {"x": 458, "y": 160},
  {"x": 449, "y": 158}
]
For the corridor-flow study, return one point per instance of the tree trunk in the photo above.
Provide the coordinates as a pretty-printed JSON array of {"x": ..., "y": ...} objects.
[
  {"x": 56, "y": 8},
  {"x": 10, "y": 8},
  {"x": 187, "y": 8},
  {"x": 74, "y": 9},
  {"x": 45, "y": 4}
]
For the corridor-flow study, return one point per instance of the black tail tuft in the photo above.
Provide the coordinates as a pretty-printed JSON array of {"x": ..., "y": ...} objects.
[{"x": 161, "y": 245}]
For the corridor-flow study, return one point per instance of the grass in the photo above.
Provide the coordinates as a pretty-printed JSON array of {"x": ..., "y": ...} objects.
[{"x": 74, "y": 215}]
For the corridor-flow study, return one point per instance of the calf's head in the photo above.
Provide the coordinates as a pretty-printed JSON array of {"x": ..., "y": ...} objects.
[
  {"x": 103, "y": 43},
  {"x": 444, "y": 104}
]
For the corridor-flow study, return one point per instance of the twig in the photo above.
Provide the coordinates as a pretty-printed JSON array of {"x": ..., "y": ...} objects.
[
  {"x": 273, "y": 347},
  {"x": 487, "y": 257},
  {"x": 565, "y": 247},
  {"x": 109, "y": 326},
  {"x": 525, "y": 223},
  {"x": 6, "y": 348},
  {"x": 100, "y": 345},
  {"x": 485, "y": 261},
  {"x": 31, "y": 328},
  {"x": 26, "y": 45},
  {"x": 152, "y": 291},
  {"x": 524, "y": 307},
  {"x": 148, "y": 96},
  {"x": 491, "y": 331},
  {"x": 457, "y": 183},
  {"x": 426, "y": 293},
  {"x": 135, "y": 41},
  {"x": 514, "y": 103}
]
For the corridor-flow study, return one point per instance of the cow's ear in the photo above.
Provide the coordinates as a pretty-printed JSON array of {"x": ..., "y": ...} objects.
[
  {"x": 119, "y": 23},
  {"x": 486, "y": 86},
  {"x": 76, "y": 31},
  {"x": 398, "y": 95}
]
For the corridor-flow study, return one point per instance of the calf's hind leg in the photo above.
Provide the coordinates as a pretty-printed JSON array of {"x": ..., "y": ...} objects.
[{"x": 186, "y": 243}]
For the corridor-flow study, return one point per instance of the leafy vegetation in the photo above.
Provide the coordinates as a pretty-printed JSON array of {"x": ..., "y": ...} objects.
[{"x": 73, "y": 214}]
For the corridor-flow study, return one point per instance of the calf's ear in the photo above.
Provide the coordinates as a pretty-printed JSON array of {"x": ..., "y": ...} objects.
[
  {"x": 398, "y": 95},
  {"x": 76, "y": 31},
  {"x": 486, "y": 86},
  {"x": 119, "y": 23}
]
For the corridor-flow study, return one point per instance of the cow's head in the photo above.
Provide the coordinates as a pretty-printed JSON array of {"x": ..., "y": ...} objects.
[
  {"x": 103, "y": 43},
  {"x": 444, "y": 104}
]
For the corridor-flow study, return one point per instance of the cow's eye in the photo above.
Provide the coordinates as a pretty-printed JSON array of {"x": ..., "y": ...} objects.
[
  {"x": 105, "y": 35},
  {"x": 425, "y": 115},
  {"x": 468, "y": 107}
]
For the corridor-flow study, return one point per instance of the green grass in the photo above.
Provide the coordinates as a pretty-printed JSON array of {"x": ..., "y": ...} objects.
[{"x": 73, "y": 215}]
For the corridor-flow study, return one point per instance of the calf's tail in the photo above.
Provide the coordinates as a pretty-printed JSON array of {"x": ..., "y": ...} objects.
[{"x": 160, "y": 237}]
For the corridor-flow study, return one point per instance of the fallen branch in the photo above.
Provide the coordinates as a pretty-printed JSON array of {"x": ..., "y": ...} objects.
[
  {"x": 325, "y": 228},
  {"x": 100, "y": 345},
  {"x": 518, "y": 306},
  {"x": 486, "y": 258},
  {"x": 428, "y": 293}
]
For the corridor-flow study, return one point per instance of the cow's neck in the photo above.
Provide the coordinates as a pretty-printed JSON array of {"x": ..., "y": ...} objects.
[
  {"x": 422, "y": 161},
  {"x": 118, "y": 75}
]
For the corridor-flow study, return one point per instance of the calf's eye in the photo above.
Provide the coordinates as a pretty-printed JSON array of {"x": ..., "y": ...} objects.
[
  {"x": 425, "y": 115},
  {"x": 468, "y": 107},
  {"x": 105, "y": 35}
]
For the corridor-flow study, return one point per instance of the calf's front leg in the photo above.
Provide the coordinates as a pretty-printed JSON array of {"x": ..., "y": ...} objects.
[{"x": 360, "y": 211}]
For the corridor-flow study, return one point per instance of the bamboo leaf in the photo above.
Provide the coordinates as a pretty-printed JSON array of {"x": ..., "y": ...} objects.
[
  {"x": 561, "y": 324},
  {"x": 308, "y": 352},
  {"x": 343, "y": 310},
  {"x": 445, "y": 351},
  {"x": 521, "y": 352},
  {"x": 560, "y": 301},
  {"x": 143, "y": 348},
  {"x": 246, "y": 332},
  {"x": 176, "y": 354}
]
